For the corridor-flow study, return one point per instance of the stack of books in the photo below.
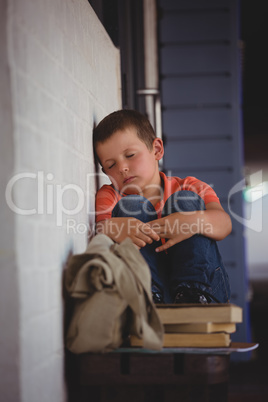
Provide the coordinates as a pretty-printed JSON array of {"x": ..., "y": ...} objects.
[{"x": 197, "y": 325}]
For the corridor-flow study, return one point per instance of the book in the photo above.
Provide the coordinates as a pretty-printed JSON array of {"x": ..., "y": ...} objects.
[
  {"x": 199, "y": 313},
  {"x": 205, "y": 327},
  {"x": 189, "y": 340}
]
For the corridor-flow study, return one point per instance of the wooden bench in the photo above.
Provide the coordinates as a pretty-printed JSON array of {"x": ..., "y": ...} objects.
[{"x": 136, "y": 375}]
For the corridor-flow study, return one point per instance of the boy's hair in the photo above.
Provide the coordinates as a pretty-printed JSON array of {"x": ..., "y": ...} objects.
[{"x": 120, "y": 120}]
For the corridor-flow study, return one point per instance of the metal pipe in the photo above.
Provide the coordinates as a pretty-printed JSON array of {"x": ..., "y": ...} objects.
[{"x": 151, "y": 73}]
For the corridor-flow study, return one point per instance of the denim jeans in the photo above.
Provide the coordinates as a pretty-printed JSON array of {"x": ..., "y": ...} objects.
[{"x": 194, "y": 262}]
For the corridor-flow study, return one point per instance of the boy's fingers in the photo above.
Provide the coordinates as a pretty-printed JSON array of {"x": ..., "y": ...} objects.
[
  {"x": 165, "y": 246},
  {"x": 149, "y": 239},
  {"x": 160, "y": 229},
  {"x": 155, "y": 225},
  {"x": 149, "y": 232},
  {"x": 139, "y": 243},
  {"x": 141, "y": 239},
  {"x": 155, "y": 236},
  {"x": 161, "y": 248},
  {"x": 142, "y": 242},
  {"x": 145, "y": 239}
]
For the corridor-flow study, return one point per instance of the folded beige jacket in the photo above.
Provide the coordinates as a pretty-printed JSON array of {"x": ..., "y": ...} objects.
[{"x": 111, "y": 286}]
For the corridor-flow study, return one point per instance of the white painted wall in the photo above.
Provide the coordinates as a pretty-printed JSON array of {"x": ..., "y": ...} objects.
[{"x": 59, "y": 77}]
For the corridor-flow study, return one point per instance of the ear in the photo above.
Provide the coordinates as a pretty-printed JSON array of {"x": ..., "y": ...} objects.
[{"x": 158, "y": 148}]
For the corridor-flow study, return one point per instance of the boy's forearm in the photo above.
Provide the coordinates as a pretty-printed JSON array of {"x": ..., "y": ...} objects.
[
  {"x": 112, "y": 228},
  {"x": 212, "y": 223},
  {"x": 215, "y": 224}
]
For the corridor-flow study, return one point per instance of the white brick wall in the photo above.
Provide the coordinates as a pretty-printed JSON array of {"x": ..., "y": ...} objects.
[{"x": 64, "y": 77}]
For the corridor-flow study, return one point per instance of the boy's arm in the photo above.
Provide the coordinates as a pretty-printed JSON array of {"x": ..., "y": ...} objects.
[
  {"x": 213, "y": 222},
  {"x": 120, "y": 228}
]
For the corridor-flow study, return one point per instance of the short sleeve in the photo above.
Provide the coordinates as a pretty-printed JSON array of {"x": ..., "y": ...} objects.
[
  {"x": 106, "y": 199},
  {"x": 204, "y": 190}
]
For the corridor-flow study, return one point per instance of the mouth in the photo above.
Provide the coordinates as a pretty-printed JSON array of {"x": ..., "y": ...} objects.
[{"x": 128, "y": 179}]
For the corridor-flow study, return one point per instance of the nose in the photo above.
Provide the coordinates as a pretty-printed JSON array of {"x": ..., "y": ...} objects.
[{"x": 123, "y": 167}]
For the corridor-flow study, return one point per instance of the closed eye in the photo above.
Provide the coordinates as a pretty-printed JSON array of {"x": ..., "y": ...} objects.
[
  {"x": 130, "y": 156},
  {"x": 111, "y": 166}
]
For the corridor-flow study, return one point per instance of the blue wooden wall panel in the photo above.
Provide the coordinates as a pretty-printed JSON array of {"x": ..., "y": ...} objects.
[
  {"x": 200, "y": 94},
  {"x": 194, "y": 4},
  {"x": 197, "y": 122},
  {"x": 179, "y": 91},
  {"x": 196, "y": 59},
  {"x": 196, "y": 26},
  {"x": 208, "y": 154}
]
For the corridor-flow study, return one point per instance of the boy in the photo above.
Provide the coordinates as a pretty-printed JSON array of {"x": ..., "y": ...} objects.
[{"x": 175, "y": 222}]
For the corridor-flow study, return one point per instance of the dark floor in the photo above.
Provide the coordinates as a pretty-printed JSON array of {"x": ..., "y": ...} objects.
[{"x": 249, "y": 380}]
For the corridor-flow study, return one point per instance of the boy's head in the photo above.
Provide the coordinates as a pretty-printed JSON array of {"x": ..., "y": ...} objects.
[
  {"x": 126, "y": 146},
  {"x": 119, "y": 121}
]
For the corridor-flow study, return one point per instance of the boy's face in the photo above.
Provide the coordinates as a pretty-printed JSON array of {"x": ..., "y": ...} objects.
[{"x": 130, "y": 165}]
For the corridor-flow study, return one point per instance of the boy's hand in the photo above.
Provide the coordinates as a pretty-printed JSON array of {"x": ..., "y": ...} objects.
[
  {"x": 175, "y": 227},
  {"x": 120, "y": 228},
  {"x": 214, "y": 223}
]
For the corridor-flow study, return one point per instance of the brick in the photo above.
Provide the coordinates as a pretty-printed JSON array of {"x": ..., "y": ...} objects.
[
  {"x": 54, "y": 294},
  {"x": 49, "y": 252},
  {"x": 64, "y": 74},
  {"x": 45, "y": 383},
  {"x": 34, "y": 293},
  {"x": 25, "y": 99},
  {"x": 32, "y": 148},
  {"x": 36, "y": 341},
  {"x": 57, "y": 331}
]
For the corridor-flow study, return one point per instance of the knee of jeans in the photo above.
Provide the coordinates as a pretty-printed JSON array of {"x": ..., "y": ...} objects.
[
  {"x": 133, "y": 205},
  {"x": 184, "y": 200}
]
